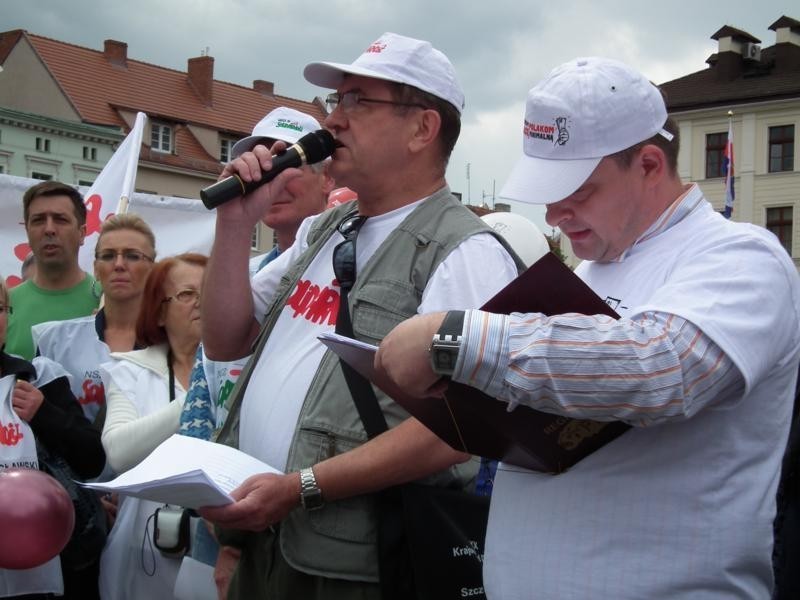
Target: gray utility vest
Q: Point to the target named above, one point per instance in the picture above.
(339, 540)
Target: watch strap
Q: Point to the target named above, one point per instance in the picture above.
(310, 494)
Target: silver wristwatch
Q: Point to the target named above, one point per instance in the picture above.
(310, 494)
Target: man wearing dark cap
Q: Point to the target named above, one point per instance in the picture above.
(702, 363)
(311, 533)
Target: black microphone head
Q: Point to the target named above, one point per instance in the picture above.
(317, 145)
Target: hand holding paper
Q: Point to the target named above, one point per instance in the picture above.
(261, 501)
(403, 356)
(187, 472)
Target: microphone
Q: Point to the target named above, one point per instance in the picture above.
(309, 149)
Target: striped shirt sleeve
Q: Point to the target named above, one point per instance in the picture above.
(656, 367)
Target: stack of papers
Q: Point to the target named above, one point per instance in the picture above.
(187, 472)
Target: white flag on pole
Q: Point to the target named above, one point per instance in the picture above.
(112, 189)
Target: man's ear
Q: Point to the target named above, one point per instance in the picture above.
(82, 230)
(653, 163)
(427, 126)
(328, 183)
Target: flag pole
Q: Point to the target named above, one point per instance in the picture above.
(132, 165)
(729, 170)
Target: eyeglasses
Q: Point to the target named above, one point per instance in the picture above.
(6, 310)
(344, 254)
(129, 256)
(187, 296)
(349, 100)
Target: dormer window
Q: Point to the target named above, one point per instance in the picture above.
(161, 137)
(225, 147)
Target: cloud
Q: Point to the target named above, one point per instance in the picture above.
(500, 49)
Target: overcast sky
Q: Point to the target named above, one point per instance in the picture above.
(499, 48)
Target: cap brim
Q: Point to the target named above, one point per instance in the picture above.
(330, 75)
(545, 181)
(250, 142)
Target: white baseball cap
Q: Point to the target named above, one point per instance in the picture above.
(285, 124)
(397, 58)
(582, 111)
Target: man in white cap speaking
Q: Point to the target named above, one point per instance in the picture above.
(702, 363)
(306, 195)
(311, 533)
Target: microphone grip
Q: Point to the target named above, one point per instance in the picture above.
(222, 191)
(233, 187)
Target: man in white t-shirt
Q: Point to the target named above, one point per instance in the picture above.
(702, 363)
(396, 117)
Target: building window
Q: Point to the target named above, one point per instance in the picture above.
(781, 148)
(225, 147)
(779, 222)
(42, 145)
(161, 137)
(42, 176)
(89, 153)
(2, 169)
(85, 182)
(715, 153)
(255, 237)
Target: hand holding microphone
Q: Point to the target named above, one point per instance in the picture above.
(309, 149)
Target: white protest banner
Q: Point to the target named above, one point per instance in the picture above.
(180, 225)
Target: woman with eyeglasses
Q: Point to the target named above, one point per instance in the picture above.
(124, 256)
(145, 391)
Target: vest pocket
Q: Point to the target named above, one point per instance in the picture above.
(350, 519)
(380, 306)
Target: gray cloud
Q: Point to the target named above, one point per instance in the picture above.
(500, 48)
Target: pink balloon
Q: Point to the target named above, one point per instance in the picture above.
(36, 518)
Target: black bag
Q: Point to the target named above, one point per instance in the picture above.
(430, 540)
(445, 532)
(89, 536)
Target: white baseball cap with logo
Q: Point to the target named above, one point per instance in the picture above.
(582, 111)
(397, 58)
(285, 124)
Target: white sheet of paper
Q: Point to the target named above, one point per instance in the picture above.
(188, 472)
(360, 355)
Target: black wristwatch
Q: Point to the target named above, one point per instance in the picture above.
(310, 494)
(446, 343)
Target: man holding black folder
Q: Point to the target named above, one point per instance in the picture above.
(702, 363)
(410, 248)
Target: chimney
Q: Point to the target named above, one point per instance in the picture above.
(787, 43)
(201, 78)
(265, 88)
(731, 42)
(116, 52)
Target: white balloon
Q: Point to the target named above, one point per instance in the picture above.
(521, 233)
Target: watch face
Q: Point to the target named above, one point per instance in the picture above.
(445, 359)
(313, 500)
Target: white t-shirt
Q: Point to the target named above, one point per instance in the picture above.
(677, 510)
(469, 276)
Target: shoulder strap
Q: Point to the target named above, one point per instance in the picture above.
(360, 388)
